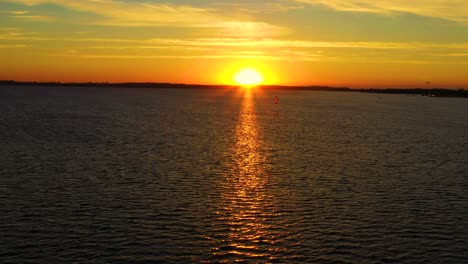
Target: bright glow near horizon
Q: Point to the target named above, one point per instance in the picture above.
(248, 77)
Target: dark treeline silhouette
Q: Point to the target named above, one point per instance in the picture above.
(120, 85)
(306, 88)
(434, 92)
(168, 85)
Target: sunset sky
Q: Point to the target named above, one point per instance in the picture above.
(356, 43)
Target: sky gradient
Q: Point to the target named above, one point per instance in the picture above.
(355, 43)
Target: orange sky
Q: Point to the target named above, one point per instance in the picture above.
(355, 43)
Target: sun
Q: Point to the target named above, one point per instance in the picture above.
(248, 77)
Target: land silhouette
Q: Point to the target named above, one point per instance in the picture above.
(432, 92)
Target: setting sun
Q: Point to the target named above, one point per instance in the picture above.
(248, 77)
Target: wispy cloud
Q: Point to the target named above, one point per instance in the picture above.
(27, 15)
(34, 18)
(19, 12)
(277, 43)
(16, 46)
(232, 42)
(15, 37)
(267, 49)
(456, 10)
(230, 47)
(126, 13)
(150, 57)
(260, 7)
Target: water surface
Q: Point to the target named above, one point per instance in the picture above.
(104, 175)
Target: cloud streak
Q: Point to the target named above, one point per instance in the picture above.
(130, 14)
(230, 42)
(455, 10)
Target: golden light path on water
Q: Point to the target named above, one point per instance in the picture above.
(249, 205)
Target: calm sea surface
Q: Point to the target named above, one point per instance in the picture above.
(104, 175)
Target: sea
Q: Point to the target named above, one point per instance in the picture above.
(127, 175)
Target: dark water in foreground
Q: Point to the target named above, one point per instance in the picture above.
(94, 175)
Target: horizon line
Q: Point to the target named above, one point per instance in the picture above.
(199, 85)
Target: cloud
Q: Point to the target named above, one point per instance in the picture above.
(126, 13)
(34, 18)
(229, 47)
(267, 49)
(457, 54)
(19, 12)
(277, 43)
(456, 10)
(150, 57)
(26, 15)
(16, 46)
(247, 29)
(13, 34)
(260, 7)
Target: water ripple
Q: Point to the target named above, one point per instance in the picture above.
(94, 175)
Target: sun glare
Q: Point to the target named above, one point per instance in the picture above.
(248, 77)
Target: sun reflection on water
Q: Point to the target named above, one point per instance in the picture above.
(248, 206)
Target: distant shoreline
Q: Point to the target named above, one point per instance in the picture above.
(431, 92)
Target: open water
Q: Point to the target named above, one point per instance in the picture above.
(108, 175)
